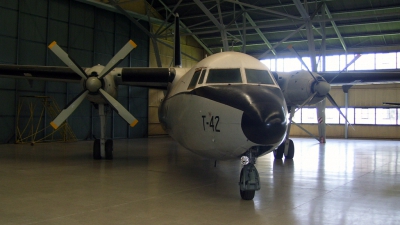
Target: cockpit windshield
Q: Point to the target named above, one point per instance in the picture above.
(258, 76)
(224, 76)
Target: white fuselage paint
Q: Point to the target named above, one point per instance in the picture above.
(187, 118)
(206, 127)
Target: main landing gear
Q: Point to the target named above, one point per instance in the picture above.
(108, 149)
(286, 148)
(249, 181)
(102, 148)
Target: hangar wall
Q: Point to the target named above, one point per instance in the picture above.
(359, 96)
(91, 36)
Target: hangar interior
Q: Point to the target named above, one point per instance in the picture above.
(325, 186)
(93, 31)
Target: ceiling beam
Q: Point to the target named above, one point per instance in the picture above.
(275, 31)
(334, 37)
(264, 9)
(280, 42)
(264, 6)
(328, 13)
(188, 30)
(220, 26)
(297, 23)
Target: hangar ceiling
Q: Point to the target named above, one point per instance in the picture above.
(265, 28)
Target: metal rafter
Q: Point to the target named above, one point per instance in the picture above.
(169, 15)
(264, 9)
(267, 7)
(279, 43)
(216, 23)
(328, 13)
(294, 23)
(259, 32)
(188, 30)
(152, 36)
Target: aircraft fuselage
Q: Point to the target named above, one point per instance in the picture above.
(220, 112)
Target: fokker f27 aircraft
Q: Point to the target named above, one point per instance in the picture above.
(228, 106)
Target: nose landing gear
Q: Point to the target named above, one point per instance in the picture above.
(249, 179)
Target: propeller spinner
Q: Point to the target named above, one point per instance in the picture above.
(93, 84)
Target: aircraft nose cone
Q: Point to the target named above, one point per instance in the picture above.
(265, 123)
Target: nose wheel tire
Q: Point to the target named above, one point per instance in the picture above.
(278, 153)
(290, 151)
(247, 194)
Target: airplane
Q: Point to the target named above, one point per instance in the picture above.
(228, 106)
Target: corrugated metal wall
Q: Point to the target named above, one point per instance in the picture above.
(91, 36)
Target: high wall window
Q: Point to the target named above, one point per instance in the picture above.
(355, 115)
(372, 61)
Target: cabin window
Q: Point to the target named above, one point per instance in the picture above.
(258, 76)
(224, 76)
(195, 77)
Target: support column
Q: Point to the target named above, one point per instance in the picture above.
(346, 89)
(102, 130)
(346, 105)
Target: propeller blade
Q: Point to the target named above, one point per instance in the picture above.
(290, 47)
(118, 58)
(391, 103)
(68, 110)
(345, 68)
(66, 59)
(125, 114)
(337, 107)
(307, 101)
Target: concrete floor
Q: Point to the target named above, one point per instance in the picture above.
(155, 181)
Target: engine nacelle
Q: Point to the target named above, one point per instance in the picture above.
(298, 86)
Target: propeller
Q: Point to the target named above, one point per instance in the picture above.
(345, 68)
(93, 85)
(290, 47)
(322, 87)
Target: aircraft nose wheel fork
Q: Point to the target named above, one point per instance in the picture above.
(249, 181)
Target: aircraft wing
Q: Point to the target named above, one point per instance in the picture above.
(362, 77)
(133, 76)
(45, 73)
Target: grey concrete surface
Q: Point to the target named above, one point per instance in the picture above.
(155, 181)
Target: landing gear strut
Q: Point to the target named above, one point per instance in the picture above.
(286, 148)
(249, 179)
(102, 148)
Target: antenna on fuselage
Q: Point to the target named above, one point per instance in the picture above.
(177, 44)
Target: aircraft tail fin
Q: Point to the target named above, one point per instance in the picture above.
(177, 44)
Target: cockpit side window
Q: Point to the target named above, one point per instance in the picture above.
(224, 76)
(195, 77)
(258, 76)
(203, 73)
